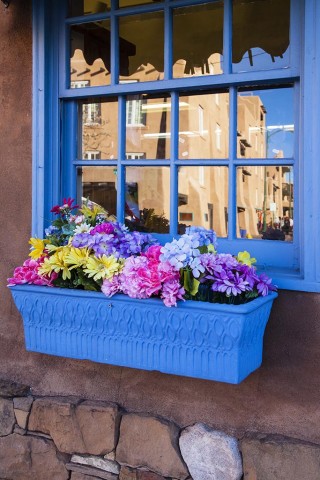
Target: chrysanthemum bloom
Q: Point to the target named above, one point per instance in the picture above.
(102, 267)
(77, 257)
(37, 246)
(57, 263)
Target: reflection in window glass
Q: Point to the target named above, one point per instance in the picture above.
(265, 202)
(98, 124)
(203, 198)
(147, 207)
(133, 3)
(98, 184)
(260, 33)
(148, 126)
(204, 126)
(90, 54)
(88, 7)
(198, 40)
(265, 123)
(141, 45)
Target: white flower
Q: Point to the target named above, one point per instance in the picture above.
(83, 228)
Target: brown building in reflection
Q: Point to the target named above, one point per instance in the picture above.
(264, 194)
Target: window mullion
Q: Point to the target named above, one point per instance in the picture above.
(168, 25)
(232, 190)
(114, 48)
(69, 154)
(121, 182)
(173, 166)
(227, 36)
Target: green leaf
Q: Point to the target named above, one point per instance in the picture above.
(191, 285)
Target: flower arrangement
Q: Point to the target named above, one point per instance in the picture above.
(84, 248)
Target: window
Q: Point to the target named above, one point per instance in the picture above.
(135, 86)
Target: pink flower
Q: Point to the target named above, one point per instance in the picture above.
(171, 292)
(28, 273)
(111, 286)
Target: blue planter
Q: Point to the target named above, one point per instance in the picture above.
(196, 339)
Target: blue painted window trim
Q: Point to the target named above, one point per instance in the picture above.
(53, 101)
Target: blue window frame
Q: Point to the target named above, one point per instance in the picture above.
(59, 99)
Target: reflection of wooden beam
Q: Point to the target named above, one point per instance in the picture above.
(83, 72)
(101, 70)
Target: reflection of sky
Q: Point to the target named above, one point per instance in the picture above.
(261, 60)
(279, 106)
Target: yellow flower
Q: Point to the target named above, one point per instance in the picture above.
(57, 263)
(37, 246)
(211, 248)
(244, 257)
(53, 248)
(92, 211)
(77, 257)
(102, 267)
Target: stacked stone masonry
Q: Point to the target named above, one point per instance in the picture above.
(66, 438)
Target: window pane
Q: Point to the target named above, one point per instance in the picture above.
(141, 47)
(90, 54)
(198, 40)
(204, 126)
(148, 199)
(98, 122)
(98, 184)
(87, 7)
(203, 198)
(133, 3)
(265, 123)
(148, 127)
(265, 202)
(261, 31)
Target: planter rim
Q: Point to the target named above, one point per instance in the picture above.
(181, 305)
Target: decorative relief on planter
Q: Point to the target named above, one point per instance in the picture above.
(210, 341)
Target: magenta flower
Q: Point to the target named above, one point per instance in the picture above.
(66, 206)
(28, 273)
(105, 227)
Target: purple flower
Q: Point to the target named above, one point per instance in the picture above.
(264, 285)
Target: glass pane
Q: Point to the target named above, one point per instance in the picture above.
(265, 123)
(141, 45)
(204, 126)
(261, 34)
(148, 199)
(198, 40)
(98, 184)
(90, 54)
(265, 202)
(87, 7)
(98, 124)
(148, 127)
(133, 3)
(203, 198)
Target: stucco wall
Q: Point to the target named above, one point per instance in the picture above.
(281, 397)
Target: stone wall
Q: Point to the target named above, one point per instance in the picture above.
(61, 438)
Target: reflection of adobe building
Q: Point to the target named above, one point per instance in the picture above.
(264, 194)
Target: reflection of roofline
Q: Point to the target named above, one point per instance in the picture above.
(245, 142)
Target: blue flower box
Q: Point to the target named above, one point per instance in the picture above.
(196, 339)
